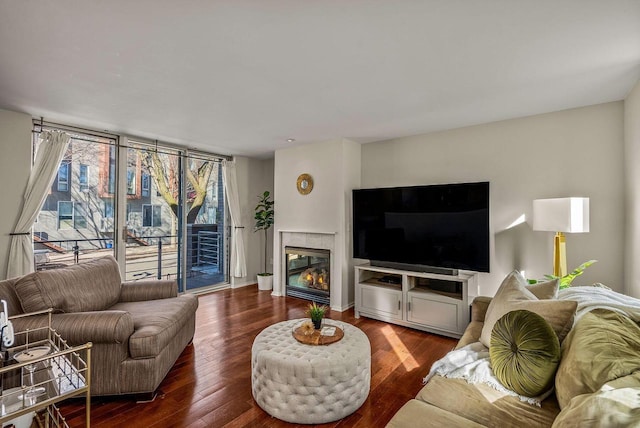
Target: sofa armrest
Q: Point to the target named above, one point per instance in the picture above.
(150, 289)
(97, 327)
(479, 308)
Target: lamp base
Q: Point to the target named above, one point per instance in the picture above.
(559, 255)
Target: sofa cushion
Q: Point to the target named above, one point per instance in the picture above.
(616, 403)
(603, 346)
(524, 353)
(419, 414)
(156, 322)
(513, 295)
(485, 405)
(88, 286)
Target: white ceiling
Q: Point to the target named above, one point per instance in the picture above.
(240, 77)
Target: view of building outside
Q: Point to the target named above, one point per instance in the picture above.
(78, 217)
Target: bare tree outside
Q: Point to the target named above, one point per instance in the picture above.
(165, 173)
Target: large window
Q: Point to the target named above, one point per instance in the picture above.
(77, 214)
(172, 221)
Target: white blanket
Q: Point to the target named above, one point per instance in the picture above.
(590, 298)
(472, 364)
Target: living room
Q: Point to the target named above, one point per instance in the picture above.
(537, 113)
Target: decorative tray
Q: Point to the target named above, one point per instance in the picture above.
(327, 335)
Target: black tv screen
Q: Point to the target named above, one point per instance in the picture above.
(442, 226)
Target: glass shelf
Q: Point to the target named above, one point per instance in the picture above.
(62, 372)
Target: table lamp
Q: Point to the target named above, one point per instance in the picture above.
(561, 215)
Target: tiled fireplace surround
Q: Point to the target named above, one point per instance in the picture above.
(316, 240)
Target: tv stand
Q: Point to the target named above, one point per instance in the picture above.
(426, 301)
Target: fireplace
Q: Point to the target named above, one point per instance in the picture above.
(308, 273)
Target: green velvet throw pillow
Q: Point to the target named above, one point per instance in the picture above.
(524, 353)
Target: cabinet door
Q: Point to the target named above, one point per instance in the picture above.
(381, 301)
(432, 313)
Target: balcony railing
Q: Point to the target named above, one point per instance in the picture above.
(147, 256)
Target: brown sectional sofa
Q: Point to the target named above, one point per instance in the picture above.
(138, 329)
(597, 383)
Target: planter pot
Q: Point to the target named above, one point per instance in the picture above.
(317, 324)
(265, 282)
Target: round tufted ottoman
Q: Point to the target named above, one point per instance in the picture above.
(310, 384)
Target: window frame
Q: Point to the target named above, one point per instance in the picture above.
(83, 177)
(156, 215)
(146, 184)
(67, 217)
(63, 179)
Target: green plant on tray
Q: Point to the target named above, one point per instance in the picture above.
(316, 313)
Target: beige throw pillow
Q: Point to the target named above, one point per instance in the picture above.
(513, 294)
(544, 290)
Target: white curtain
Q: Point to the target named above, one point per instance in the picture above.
(238, 260)
(50, 153)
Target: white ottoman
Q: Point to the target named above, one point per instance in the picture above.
(310, 384)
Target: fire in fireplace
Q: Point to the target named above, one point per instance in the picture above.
(308, 273)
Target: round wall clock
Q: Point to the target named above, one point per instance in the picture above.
(305, 184)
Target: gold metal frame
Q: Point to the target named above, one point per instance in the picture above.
(75, 360)
(304, 184)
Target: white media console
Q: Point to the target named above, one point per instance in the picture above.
(426, 301)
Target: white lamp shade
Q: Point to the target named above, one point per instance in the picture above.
(561, 215)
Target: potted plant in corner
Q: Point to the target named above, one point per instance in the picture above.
(264, 221)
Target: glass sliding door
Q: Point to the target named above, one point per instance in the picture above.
(76, 221)
(167, 204)
(206, 254)
(153, 213)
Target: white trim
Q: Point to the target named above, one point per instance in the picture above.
(317, 232)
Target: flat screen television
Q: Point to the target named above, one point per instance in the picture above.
(423, 227)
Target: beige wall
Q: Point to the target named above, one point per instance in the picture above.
(632, 191)
(254, 177)
(15, 164)
(576, 152)
(335, 168)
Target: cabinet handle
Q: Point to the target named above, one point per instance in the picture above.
(408, 306)
(399, 304)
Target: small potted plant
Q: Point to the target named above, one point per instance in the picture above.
(264, 221)
(316, 313)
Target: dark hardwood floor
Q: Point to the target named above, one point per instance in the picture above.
(210, 384)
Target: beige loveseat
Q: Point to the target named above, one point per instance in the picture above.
(138, 329)
(597, 383)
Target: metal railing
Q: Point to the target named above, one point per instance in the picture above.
(147, 255)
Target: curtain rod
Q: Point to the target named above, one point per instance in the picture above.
(116, 137)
